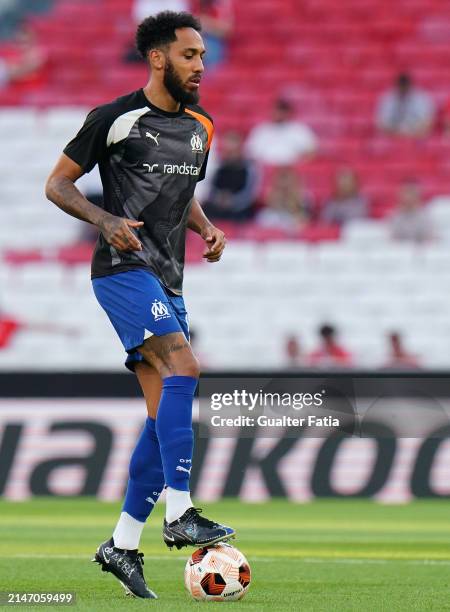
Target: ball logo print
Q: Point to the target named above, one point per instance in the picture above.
(196, 144)
(160, 310)
(217, 573)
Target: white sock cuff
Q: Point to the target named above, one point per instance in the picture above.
(128, 532)
(177, 502)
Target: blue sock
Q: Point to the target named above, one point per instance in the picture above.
(174, 429)
(146, 479)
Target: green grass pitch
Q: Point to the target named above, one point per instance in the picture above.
(324, 556)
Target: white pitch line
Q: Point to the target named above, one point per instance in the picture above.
(356, 561)
(76, 557)
(343, 561)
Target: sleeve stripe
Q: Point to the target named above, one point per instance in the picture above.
(207, 124)
(122, 126)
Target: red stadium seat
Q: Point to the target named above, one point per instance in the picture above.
(332, 59)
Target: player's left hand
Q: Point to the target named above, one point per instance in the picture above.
(215, 243)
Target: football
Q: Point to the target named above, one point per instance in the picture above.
(217, 573)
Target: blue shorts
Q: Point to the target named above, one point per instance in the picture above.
(139, 306)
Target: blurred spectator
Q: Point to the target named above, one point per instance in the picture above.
(13, 13)
(9, 16)
(405, 110)
(28, 58)
(289, 206)
(410, 221)
(283, 141)
(329, 354)
(347, 202)
(234, 183)
(399, 357)
(216, 17)
(293, 353)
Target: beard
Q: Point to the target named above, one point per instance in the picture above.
(174, 86)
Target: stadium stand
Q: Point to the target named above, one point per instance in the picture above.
(332, 60)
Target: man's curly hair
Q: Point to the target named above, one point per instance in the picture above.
(159, 30)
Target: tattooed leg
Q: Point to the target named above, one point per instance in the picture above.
(170, 355)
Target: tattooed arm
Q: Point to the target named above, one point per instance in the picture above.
(60, 189)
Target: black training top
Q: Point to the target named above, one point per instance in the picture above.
(150, 161)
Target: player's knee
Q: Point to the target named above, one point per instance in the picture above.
(177, 360)
(189, 366)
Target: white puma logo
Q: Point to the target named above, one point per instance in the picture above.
(180, 468)
(155, 138)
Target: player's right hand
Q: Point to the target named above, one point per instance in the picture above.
(118, 234)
